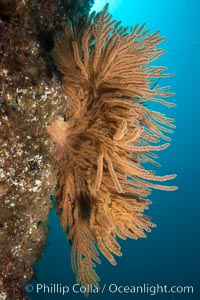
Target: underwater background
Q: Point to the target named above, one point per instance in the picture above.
(170, 253)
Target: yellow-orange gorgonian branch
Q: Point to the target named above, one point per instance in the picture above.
(108, 134)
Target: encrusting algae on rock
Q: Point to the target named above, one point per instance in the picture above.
(30, 99)
(106, 135)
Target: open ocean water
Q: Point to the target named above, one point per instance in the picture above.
(171, 253)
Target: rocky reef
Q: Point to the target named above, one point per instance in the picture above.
(30, 98)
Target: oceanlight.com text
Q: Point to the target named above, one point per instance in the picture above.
(112, 288)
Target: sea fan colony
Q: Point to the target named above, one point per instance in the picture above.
(106, 135)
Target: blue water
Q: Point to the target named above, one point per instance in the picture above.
(170, 254)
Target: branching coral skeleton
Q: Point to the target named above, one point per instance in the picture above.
(108, 134)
